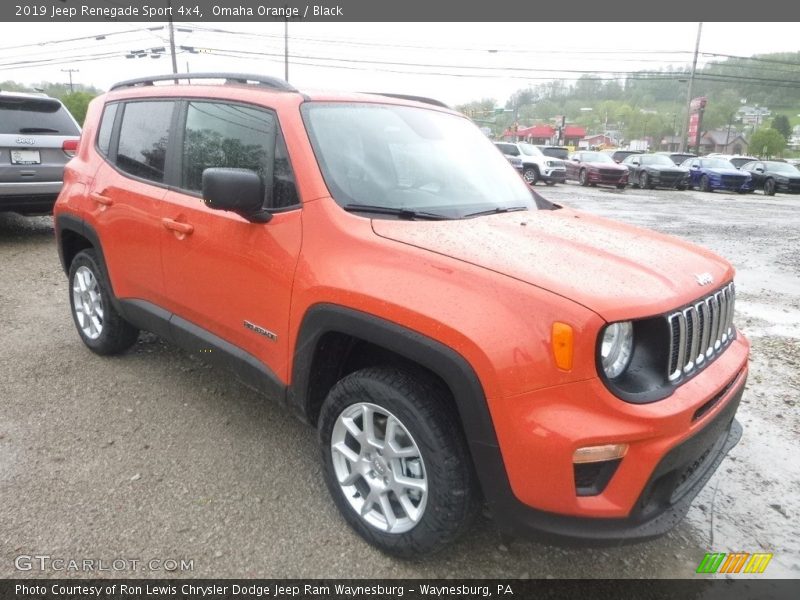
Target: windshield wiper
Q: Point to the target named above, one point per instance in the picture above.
(403, 213)
(38, 130)
(495, 211)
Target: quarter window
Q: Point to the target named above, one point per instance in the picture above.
(143, 139)
(106, 126)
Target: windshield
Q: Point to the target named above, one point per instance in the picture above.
(596, 157)
(41, 116)
(529, 150)
(413, 159)
(717, 163)
(656, 159)
(780, 167)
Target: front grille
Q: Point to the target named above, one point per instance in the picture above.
(733, 181)
(794, 186)
(670, 178)
(612, 173)
(699, 332)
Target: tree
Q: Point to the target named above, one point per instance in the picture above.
(767, 142)
(781, 124)
(77, 103)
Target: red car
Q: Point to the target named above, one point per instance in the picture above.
(591, 168)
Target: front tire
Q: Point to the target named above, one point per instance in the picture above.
(530, 175)
(644, 182)
(99, 325)
(705, 184)
(583, 178)
(395, 461)
(769, 187)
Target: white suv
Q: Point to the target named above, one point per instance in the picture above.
(535, 165)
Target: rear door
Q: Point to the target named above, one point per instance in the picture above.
(231, 277)
(127, 193)
(33, 132)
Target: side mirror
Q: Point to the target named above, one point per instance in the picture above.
(759, 170)
(576, 159)
(635, 163)
(695, 166)
(237, 190)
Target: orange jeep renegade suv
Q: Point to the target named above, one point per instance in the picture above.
(373, 263)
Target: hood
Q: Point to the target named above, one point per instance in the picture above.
(718, 171)
(605, 165)
(616, 270)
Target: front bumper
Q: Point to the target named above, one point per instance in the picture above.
(607, 178)
(557, 175)
(675, 445)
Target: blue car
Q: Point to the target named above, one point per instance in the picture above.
(709, 174)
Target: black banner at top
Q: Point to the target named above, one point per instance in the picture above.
(404, 11)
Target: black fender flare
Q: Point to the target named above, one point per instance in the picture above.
(449, 365)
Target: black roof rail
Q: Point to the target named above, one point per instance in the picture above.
(230, 78)
(422, 99)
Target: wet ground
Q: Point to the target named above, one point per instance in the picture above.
(154, 455)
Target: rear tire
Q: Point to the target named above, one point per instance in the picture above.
(99, 325)
(395, 461)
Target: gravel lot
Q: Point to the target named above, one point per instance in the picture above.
(154, 455)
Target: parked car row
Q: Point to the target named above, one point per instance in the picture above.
(673, 170)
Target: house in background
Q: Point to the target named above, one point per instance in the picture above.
(547, 134)
(597, 141)
(723, 142)
(671, 143)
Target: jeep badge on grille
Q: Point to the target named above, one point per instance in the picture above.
(704, 278)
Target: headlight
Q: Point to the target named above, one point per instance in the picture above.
(549, 163)
(616, 348)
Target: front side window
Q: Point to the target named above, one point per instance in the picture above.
(223, 135)
(406, 158)
(143, 139)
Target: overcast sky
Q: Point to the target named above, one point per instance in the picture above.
(455, 62)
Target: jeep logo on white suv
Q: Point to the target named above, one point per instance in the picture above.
(24, 140)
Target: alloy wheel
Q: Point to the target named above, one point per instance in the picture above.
(379, 467)
(87, 303)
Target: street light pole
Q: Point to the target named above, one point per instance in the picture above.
(172, 39)
(685, 134)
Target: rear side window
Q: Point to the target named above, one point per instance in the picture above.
(35, 116)
(143, 138)
(106, 126)
(240, 137)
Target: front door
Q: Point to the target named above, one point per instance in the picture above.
(224, 274)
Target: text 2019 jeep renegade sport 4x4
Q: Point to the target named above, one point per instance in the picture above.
(376, 265)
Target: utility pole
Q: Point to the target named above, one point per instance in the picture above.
(70, 71)
(172, 39)
(685, 133)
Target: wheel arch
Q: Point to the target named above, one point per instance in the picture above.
(333, 330)
(334, 339)
(73, 234)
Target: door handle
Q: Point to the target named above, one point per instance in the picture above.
(100, 199)
(184, 228)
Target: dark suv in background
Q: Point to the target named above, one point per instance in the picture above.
(38, 136)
